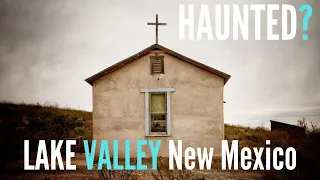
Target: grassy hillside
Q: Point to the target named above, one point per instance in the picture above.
(35, 122)
(256, 137)
(46, 122)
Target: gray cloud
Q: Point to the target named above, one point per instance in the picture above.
(48, 48)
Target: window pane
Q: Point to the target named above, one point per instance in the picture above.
(158, 103)
(158, 123)
(158, 113)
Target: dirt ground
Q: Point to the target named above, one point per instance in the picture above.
(84, 174)
(16, 172)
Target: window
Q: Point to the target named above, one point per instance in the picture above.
(157, 111)
(157, 64)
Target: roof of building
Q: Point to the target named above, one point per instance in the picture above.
(120, 64)
(280, 125)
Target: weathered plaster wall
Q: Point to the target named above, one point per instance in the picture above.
(196, 105)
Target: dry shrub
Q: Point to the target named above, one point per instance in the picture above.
(117, 175)
(306, 145)
(163, 172)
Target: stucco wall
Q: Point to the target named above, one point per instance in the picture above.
(196, 105)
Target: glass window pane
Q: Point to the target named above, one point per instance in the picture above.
(158, 103)
(158, 123)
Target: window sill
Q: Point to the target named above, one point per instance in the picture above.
(158, 135)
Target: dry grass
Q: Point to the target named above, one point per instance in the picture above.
(82, 173)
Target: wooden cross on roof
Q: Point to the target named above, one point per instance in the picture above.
(157, 24)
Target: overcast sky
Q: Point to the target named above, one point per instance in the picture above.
(48, 48)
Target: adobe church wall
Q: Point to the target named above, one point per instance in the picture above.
(196, 105)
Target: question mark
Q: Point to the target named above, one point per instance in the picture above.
(306, 18)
